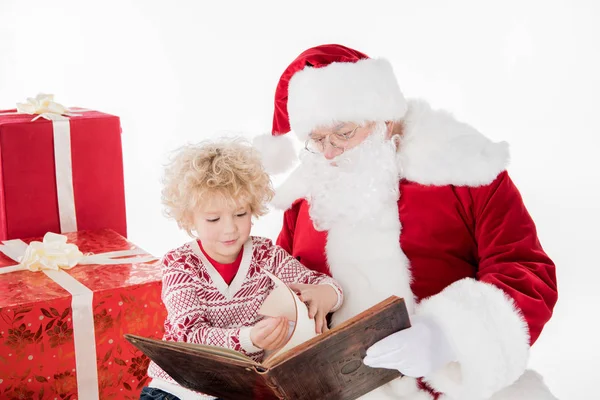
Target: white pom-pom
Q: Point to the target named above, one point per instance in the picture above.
(277, 152)
(295, 187)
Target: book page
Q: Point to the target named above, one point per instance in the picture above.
(144, 343)
(217, 351)
(283, 301)
(279, 303)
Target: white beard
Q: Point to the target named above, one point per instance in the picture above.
(355, 200)
(353, 189)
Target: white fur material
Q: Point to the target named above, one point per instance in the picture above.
(436, 149)
(403, 388)
(277, 152)
(530, 386)
(366, 90)
(295, 187)
(489, 336)
(368, 277)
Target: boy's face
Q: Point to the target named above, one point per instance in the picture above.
(223, 230)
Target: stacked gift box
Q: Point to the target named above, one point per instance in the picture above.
(61, 330)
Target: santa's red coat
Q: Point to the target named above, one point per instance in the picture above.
(466, 233)
(450, 233)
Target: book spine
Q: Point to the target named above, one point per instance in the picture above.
(272, 383)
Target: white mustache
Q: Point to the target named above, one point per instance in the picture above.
(362, 180)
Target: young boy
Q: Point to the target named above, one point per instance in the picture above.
(214, 285)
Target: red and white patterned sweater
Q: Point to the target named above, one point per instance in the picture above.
(202, 308)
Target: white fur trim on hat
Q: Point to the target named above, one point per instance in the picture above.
(277, 152)
(366, 90)
(435, 149)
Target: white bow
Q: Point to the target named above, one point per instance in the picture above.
(45, 106)
(54, 253)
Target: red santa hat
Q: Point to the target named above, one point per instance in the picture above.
(325, 85)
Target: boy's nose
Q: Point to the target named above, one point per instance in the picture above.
(230, 226)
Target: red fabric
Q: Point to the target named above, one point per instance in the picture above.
(299, 238)
(28, 201)
(424, 386)
(319, 56)
(450, 233)
(37, 350)
(227, 271)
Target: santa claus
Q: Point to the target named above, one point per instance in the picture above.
(392, 197)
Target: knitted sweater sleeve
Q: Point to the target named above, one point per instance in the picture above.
(186, 320)
(290, 270)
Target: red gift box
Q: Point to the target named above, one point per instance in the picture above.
(60, 176)
(48, 333)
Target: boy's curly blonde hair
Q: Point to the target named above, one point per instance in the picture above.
(228, 168)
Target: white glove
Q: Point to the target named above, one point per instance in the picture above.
(416, 351)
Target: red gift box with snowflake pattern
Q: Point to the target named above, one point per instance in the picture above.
(68, 344)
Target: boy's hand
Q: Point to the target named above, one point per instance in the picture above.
(320, 300)
(270, 333)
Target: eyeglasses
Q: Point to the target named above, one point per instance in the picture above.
(339, 142)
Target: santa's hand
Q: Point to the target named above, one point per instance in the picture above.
(320, 300)
(416, 351)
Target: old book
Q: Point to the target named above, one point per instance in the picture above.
(327, 366)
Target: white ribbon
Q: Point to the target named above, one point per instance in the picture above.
(63, 168)
(52, 256)
(45, 107)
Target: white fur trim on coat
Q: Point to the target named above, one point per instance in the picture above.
(368, 277)
(366, 90)
(403, 388)
(436, 149)
(489, 336)
(530, 386)
(277, 152)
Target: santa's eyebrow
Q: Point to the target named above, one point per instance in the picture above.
(335, 129)
(338, 127)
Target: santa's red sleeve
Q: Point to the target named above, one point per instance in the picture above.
(285, 239)
(492, 320)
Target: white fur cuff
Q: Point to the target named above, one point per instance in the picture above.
(488, 334)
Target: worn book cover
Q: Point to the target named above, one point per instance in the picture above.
(327, 366)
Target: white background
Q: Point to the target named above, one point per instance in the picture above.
(175, 72)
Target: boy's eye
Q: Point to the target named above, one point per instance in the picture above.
(242, 214)
(212, 220)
